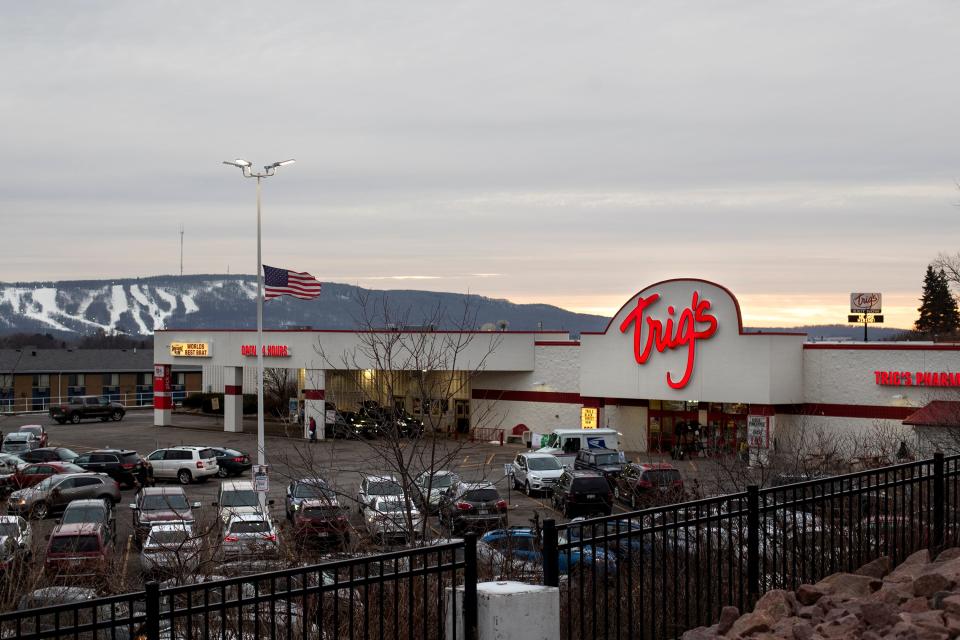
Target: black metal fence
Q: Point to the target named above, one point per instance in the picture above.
(657, 572)
(646, 574)
(397, 596)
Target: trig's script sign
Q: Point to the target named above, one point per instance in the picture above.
(861, 302)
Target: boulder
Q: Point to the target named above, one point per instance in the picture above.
(949, 569)
(910, 568)
(929, 583)
(808, 594)
(948, 554)
(841, 628)
(878, 568)
(802, 630)
(878, 615)
(951, 604)
(751, 623)
(777, 604)
(915, 605)
(700, 633)
(849, 585)
(728, 615)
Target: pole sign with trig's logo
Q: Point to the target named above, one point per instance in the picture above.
(866, 302)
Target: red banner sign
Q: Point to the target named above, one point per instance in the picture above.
(672, 334)
(269, 350)
(917, 378)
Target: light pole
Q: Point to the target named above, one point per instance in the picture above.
(268, 171)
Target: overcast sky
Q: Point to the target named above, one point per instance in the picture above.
(568, 153)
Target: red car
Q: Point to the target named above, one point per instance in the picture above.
(321, 521)
(31, 474)
(80, 549)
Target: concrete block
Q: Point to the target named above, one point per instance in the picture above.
(508, 611)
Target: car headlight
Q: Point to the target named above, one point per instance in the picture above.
(295, 506)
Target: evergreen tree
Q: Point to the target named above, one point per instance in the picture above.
(938, 308)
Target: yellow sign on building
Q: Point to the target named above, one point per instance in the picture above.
(588, 417)
(190, 349)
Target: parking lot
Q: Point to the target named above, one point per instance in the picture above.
(340, 462)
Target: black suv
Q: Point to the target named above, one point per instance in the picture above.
(606, 462)
(472, 505)
(582, 493)
(123, 465)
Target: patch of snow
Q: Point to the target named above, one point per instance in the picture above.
(119, 305)
(189, 306)
(44, 307)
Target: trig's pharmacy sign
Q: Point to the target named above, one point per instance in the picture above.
(190, 349)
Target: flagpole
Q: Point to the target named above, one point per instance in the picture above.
(268, 170)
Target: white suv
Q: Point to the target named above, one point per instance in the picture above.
(237, 497)
(535, 472)
(184, 464)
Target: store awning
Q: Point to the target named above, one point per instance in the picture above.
(938, 413)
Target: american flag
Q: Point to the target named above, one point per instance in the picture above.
(281, 282)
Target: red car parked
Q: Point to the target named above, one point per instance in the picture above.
(31, 474)
(321, 521)
(81, 549)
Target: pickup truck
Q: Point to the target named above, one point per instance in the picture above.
(86, 408)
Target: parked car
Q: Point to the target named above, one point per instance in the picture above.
(641, 485)
(373, 487)
(339, 425)
(392, 517)
(517, 553)
(49, 454)
(231, 462)
(19, 442)
(623, 538)
(237, 497)
(91, 511)
(171, 548)
(87, 408)
(11, 555)
(299, 491)
(123, 465)
(472, 505)
(582, 493)
(9, 464)
(321, 521)
(155, 505)
(56, 492)
(431, 487)
(184, 464)
(78, 550)
(248, 535)
(374, 420)
(535, 472)
(17, 529)
(606, 462)
(30, 474)
(37, 430)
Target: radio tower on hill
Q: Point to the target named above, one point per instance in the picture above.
(181, 250)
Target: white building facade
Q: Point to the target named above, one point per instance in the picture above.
(674, 364)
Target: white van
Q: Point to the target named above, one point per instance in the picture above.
(564, 443)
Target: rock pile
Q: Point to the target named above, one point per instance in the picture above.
(919, 600)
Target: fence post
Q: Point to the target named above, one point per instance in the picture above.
(753, 544)
(470, 586)
(939, 482)
(152, 626)
(551, 557)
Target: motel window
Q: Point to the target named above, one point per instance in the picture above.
(145, 379)
(76, 380)
(6, 380)
(41, 381)
(111, 379)
(180, 378)
(417, 406)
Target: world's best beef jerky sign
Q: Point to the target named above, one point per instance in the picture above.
(666, 327)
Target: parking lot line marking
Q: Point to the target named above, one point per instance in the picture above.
(489, 459)
(126, 553)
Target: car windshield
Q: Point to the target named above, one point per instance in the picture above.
(384, 488)
(66, 454)
(390, 505)
(591, 485)
(607, 458)
(9, 529)
(250, 526)
(312, 490)
(441, 481)
(18, 437)
(544, 464)
(480, 495)
(172, 537)
(34, 430)
(93, 513)
(46, 483)
(662, 476)
(69, 467)
(240, 498)
(164, 502)
(74, 544)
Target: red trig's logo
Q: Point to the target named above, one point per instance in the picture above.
(672, 334)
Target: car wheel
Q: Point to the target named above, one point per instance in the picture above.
(526, 489)
(75, 418)
(222, 472)
(184, 476)
(117, 415)
(40, 511)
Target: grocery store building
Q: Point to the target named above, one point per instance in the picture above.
(674, 361)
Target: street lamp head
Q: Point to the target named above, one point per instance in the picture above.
(239, 162)
(282, 163)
